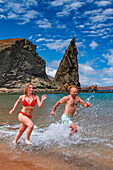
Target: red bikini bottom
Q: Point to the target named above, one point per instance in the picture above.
(25, 115)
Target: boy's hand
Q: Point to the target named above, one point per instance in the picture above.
(52, 113)
(88, 104)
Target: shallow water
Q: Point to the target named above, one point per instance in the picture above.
(93, 141)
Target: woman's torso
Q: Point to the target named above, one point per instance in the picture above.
(28, 104)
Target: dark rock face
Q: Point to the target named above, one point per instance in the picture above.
(20, 64)
(67, 72)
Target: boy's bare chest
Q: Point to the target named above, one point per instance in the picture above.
(72, 102)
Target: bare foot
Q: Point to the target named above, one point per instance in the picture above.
(14, 142)
(71, 133)
(28, 142)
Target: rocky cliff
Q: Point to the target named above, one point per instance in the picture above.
(67, 72)
(20, 64)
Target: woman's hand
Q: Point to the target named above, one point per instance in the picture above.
(11, 112)
(44, 97)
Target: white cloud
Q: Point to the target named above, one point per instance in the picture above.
(15, 7)
(12, 16)
(58, 45)
(100, 25)
(20, 7)
(86, 69)
(98, 18)
(108, 11)
(67, 8)
(30, 37)
(61, 26)
(51, 71)
(80, 44)
(1, 10)
(93, 12)
(93, 45)
(108, 80)
(83, 80)
(87, 81)
(39, 35)
(103, 3)
(108, 71)
(31, 3)
(109, 56)
(103, 61)
(2, 16)
(58, 2)
(54, 64)
(80, 26)
(31, 14)
(82, 53)
(44, 39)
(21, 11)
(40, 39)
(74, 5)
(44, 23)
(63, 13)
(24, 22)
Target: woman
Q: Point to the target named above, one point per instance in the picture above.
(25, 114)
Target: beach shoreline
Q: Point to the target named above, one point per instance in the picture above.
(5, 91)
(44, 160)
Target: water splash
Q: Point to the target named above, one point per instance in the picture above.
(88, 99)
(56, 134)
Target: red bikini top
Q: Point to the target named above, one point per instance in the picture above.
(25, 103)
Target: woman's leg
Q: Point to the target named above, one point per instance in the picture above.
(28, 123)
(20, 132)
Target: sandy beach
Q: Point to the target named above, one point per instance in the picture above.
(44, 161)
(9, 158)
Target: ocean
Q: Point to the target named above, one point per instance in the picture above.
(90, 148)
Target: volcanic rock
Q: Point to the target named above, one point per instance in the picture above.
(67, 72)
(20, 64)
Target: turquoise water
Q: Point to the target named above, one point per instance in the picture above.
(94, 139)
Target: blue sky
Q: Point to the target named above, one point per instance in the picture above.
(51, 24)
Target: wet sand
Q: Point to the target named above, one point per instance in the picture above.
(29, 161)
(44, 160)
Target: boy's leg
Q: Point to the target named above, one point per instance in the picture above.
(74, 129)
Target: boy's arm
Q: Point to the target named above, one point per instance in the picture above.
(63, 100)
(54, 109)
(83, 103)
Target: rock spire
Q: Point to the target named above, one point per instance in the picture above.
(67, 72)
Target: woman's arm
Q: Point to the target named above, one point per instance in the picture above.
(40, 103)
(16, 104)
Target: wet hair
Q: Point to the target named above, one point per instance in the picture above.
(26, 88)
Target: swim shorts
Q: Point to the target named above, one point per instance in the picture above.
(66, 119)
